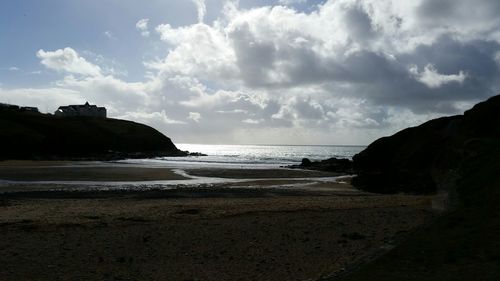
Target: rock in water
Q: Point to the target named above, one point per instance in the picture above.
(306, 162)
(336, 165)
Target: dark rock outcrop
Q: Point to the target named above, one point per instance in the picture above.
(463, 244)
(306, 162)
(335, 165)
(31, 135)
(425, 158)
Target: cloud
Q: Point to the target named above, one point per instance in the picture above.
(47, 99)
(430, 77)
(142, 26)
(109, 34)
(201, 8)
(199, 51)
(195, 116)
(155, 118)
(252, 121)
(234, 111)
(356, 49)
(344, 71)
(67, 60)
(14, 68)
(108, 90)
(290, 2)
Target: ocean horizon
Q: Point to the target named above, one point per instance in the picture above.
(251, 156)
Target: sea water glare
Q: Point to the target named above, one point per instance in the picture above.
(255, 156)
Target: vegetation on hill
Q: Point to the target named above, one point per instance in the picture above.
(30, 135)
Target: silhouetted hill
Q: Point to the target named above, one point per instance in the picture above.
(30, 135)
(425, 158)
(455, 155)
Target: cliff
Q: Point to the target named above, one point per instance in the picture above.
(458, 155)
(31, 135)
(425, 158)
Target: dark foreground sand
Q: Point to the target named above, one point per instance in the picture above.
(223, 232)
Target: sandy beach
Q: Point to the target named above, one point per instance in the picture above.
(278, 225)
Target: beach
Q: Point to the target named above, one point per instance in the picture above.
(277, 224)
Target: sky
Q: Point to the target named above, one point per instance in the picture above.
(254, 71)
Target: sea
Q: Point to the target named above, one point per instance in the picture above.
(250, 156)
(217, 156)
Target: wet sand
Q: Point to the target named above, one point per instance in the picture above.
(221, 232)
(103, 171)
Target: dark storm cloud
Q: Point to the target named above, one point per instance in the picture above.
(382, 79)
(475, 58)
(359, 24)
(456, 11)
(254, 58)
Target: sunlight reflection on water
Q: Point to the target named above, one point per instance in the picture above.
(260, 156)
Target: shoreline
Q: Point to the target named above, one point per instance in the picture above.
(283, 228)
(30, 176)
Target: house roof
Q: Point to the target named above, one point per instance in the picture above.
(77, 106)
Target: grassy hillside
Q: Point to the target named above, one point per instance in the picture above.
(27, 135)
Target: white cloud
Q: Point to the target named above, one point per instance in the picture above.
(195, 116)
(252, 121)
(289, 2)
(109, 34)
(109, 91)
(142, 26)
(201, 8)
(68, 60)
(335, 73)
(234, 111)
(47, 99)
(430, 76)
(279, 46)
(14, 68)
(154, 118)
(200, 51)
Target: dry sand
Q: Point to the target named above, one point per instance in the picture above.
(223, 232)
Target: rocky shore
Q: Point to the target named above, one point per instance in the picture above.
(335, 165)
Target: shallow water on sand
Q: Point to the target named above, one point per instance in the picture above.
(191, 181)
(267, 158)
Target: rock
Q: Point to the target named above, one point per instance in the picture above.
(423, 159)
(195, 153)
(306, 162)
(336, 165)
